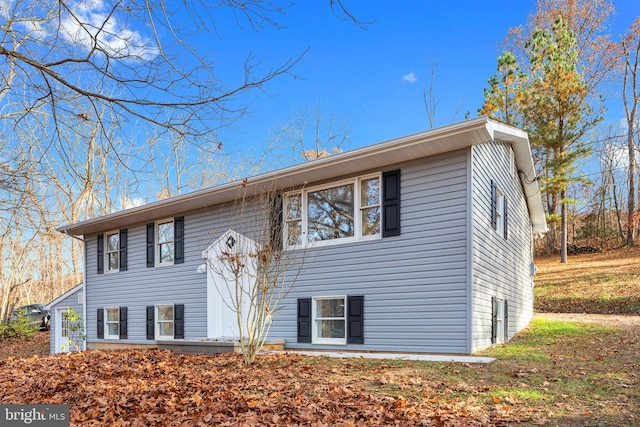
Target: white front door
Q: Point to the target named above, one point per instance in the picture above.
(225, 295)
(62, 330)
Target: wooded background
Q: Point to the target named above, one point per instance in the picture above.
(71, 97)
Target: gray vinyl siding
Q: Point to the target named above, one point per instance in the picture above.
(69, 301)
(414, 285)
(501, 268)
(141, 286)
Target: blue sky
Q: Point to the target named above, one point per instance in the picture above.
(375, 78)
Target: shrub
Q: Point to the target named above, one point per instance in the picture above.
(20, 329)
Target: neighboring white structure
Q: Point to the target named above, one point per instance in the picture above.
(62, 339)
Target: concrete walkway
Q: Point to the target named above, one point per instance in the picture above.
(397, 356)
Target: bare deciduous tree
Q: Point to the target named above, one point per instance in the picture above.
(137, 61)
(252, 272)
(630, 53)
(310, 135)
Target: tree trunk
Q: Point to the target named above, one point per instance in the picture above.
(564, 228)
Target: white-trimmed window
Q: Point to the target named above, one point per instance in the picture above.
(512, 163)
(499, 321)
(165, 248)
(112, 323)
(112, 251)
(164, 322)
(345, 211)
(500, 212)
(329, 320)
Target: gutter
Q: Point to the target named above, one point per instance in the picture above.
(66, 232)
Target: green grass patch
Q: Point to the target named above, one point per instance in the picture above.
(533, 343)
(523, 394)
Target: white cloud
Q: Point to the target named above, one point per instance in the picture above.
(411, 78)
(128, 203)
(94, 22)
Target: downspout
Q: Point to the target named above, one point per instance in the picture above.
(84, 287)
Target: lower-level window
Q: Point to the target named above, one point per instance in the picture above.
(164, 321)
(112, 325)
(329, 320)
(499, 320)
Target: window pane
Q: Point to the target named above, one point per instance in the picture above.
(166, 252)
(371, 221)
(113, 242)
(165, 328)
(165, 312)
(113, 329)
(112, 314)
(330, 307)
(331, 213)
(64, 319)
(165, 232)
(294, 206)
(331, 329)
(114, 261)
(370, 192)
(294, 233)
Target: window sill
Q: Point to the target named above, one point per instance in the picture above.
(329, 341)
(332, 242)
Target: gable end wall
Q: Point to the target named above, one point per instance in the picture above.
(500, 267)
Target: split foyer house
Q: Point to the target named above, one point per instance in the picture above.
(423, 243)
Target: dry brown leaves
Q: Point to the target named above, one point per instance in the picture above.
(38, 345)
(602, 283)
(152, 387)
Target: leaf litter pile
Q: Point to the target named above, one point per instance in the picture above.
(153, 387)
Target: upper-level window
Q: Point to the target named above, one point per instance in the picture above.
(500, 212)
(165, 246)
(341, 212)
(165, 242)
(112, 250)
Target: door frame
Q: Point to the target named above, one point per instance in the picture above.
(61, 345)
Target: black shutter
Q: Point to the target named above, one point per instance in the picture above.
(178, 321)
(100, 324)
(494, 205)
(494, 320)
(276, 222)
(178, 240)
(123, 323)
(151, 314)
(355, 317)
(151, 233)
(100, 240)
(506, 321)
(505, 213)
(123, 250)
(304, 320)
(391, 203)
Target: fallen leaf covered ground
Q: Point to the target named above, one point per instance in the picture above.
(152, 387)
(598, 283)
(570, 371)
